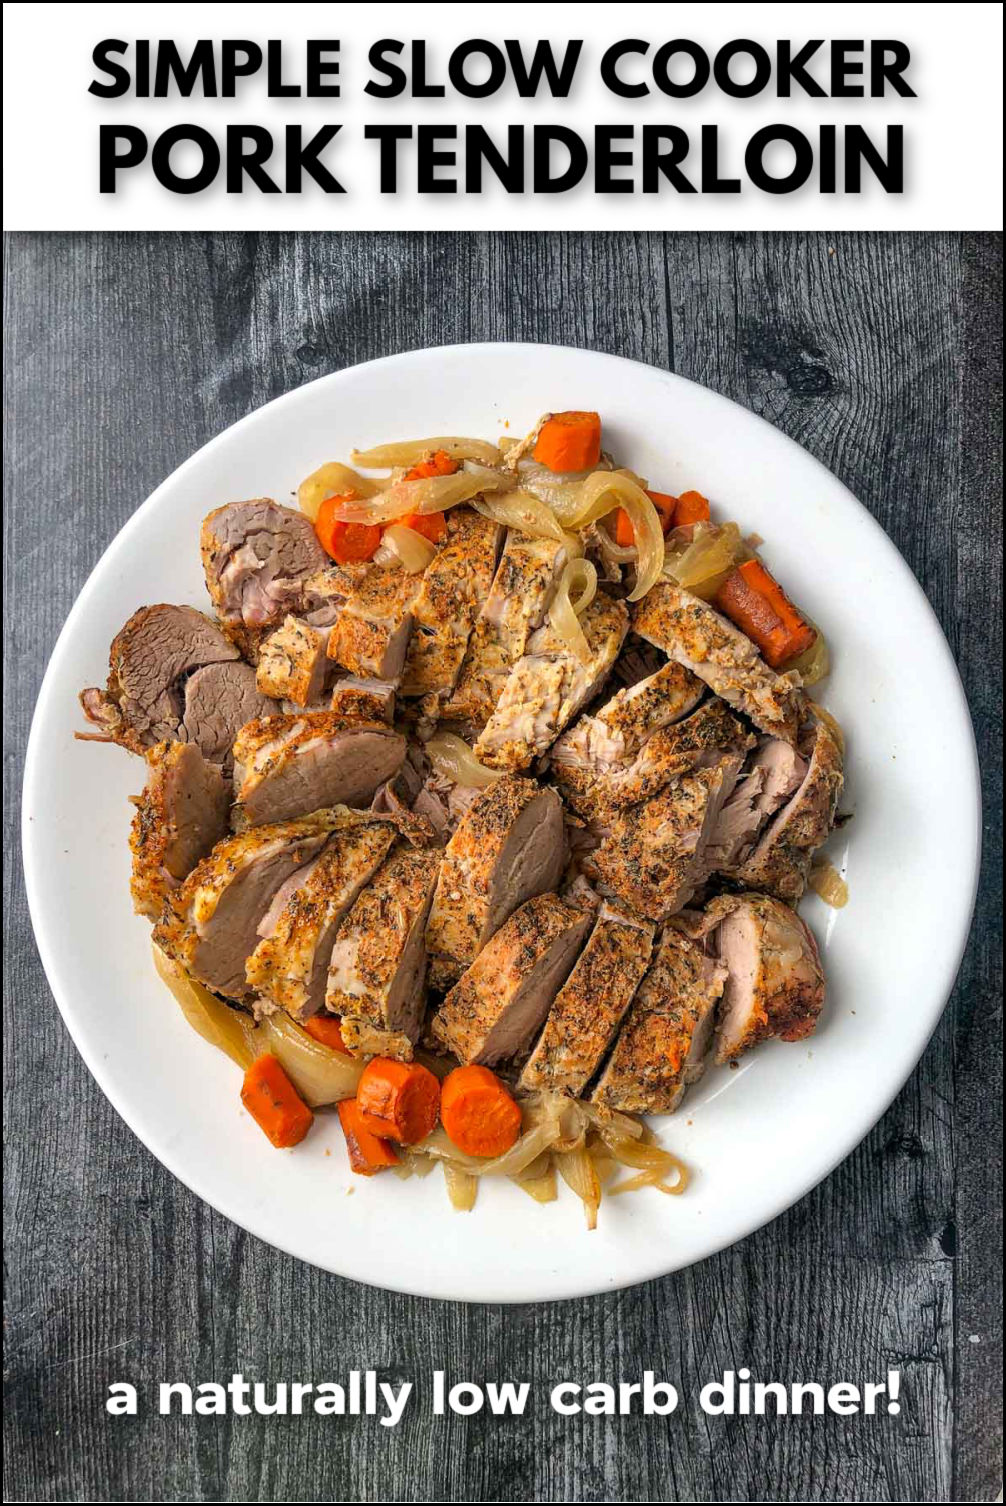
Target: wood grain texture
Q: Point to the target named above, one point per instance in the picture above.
(880, 355)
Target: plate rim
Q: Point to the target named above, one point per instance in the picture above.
(189, 1177)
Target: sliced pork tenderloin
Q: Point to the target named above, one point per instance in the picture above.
(496, 1008)
(287, 766)
(377, 970)
(772, 774)
(454, 588)
(591, 1004)
(289, 966)
(607, 739)
(774, 981)
(779, 862)
(667, 1031)
(217, 911)
(182, 813)
(506, 848)
(219, 700)
(257, 559)
(692, 632)
(359, 699)
(292, 663)
(549, 685)
(371, 635)
(521, 593)
(694, 742)
(150, 659)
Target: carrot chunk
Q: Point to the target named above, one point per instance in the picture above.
(665, 504)
(346, 543)
(368, 1153)
(398, 1100)
(569, 441)
(327, 1028)
(274, 1103)
(437, 464)
(478, 1113)
(756, 602)
(692, 507)
(432, 525)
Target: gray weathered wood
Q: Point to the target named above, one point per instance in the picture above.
(880, 355)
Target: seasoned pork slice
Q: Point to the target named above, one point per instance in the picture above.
(667, 1031)
(609, 737)
(780, 860)
(695, 742)
(771, 775)
(292, 663)
(149, 661)
(549, 685)
(589, 1007)
(454, 588)
(371, 635)
(377, 972)
(181, 814)
(289, 966)
(495, 1009)
(287, 766)
(258, 558)
(506, 848)
(219, 907)
(774, 980)
(697, 636)
(219, 700)
(522, 591)
(654, 856)
(363, 700)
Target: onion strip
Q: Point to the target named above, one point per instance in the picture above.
(453, 758)
(428, 495)
(525, 513)
(332, 480)
(411, 549)
(564, 613)
(411, 451)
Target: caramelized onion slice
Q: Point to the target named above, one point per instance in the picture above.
(525, 513)
(410, 549)
(453, 758)
(228, 1029)
(332, 480)
(411, 451)
(319, 1074)
(579, 576)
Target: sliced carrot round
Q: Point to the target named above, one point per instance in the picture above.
(479, 1114)
(398, 1100)
(346, 543)
(432, 526)
(692, 507)
(569, 441)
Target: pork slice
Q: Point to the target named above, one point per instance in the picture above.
(591, 1004)
(779, 861)
(371, 635)
(258, 558)
(377, 971)
(289, 966)
(495, 1009)
(774, 981)
(181, 814)
(521, 593)
(287, 766)
(597, 791)
(654, 855)
(149, 661)
(214, 929)
(506, 848)
(292, 663)
(667, 1031)
(361, 699)
(549, 685)
(770, 777)
(689, 630)
(453, 591)
(219, 700)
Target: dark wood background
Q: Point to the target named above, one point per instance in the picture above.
(880, 354)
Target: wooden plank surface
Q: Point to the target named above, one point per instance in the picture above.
(880, 354)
